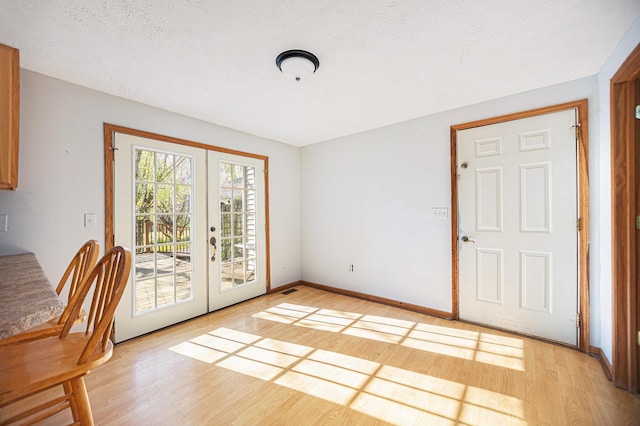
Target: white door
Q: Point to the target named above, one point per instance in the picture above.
(518, 245)
(237, 234)
(195, 221)
(160, 211)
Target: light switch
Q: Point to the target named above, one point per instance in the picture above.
(4, 222)
(89, 220)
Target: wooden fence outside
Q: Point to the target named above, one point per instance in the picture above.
(164, 241)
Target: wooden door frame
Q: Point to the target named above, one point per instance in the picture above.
(624, 172)
(111, 129)
(583, 204)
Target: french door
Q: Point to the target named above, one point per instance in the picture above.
(195, 222)
(237, 269)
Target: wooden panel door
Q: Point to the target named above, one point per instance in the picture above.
(518, 248)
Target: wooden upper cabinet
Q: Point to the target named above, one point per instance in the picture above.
(9, 116)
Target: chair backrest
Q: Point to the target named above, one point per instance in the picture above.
(83, 261)
(79, 267)
(108, 278)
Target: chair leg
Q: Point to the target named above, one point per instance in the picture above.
(68, 390)
(80, 400)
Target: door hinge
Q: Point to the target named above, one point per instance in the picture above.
(578, 320)
(577, 128)
(579, 224)
(638, 338)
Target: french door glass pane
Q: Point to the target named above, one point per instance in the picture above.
(237, 224)
(163, 217)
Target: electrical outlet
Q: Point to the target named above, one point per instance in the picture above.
(439, 212)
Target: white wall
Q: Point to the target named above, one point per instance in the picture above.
(61, 172)
(601, 212)
(367, 200)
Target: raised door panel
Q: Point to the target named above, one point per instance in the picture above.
(489, 199)
(535, 281)
(489, 276)
(535, 197)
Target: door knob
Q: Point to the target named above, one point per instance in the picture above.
(466, 239)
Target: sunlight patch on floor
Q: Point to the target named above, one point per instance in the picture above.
(267, 356)
(331, 373)
(233, 335)
(439, 348)
(388, 393)
(319, 325)
(218, 343)
(373, 335)
(315, 386)
(285, 319)
(284, 347)
(396, 413)
(257, 369)
(201, 353)
(496, 402)
(381, 327)
(354, 363)
(499, 351)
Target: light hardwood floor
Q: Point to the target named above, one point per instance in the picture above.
(312, 357)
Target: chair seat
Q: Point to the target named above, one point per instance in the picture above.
(39, 364)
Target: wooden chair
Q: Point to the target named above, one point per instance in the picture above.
(81, 264)
(29, 368)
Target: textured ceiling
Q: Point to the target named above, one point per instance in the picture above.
(381, 62)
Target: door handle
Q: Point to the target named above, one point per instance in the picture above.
(213, 242)
(466, 239)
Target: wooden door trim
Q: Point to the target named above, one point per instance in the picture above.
(624, 280)
(583, 204)
(111, 129)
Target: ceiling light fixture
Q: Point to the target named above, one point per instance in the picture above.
(297, 64)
